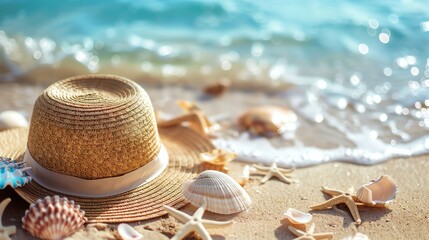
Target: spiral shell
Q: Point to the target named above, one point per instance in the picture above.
(379, 191)
(53, 218)
(222, 193)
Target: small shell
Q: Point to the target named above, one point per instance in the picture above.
(218, 156)
(298, 217)
(12, 119)
(357, 236)
(245, 175)
(13, 173)
(379, 191)
(128, 233)
(222, 193)
(53, 218)
(268, 120)
(217, 88)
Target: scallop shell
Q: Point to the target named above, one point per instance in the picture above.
(222, 193)
(297, 217)
(53, 218)
(268, 120)
(128, 233)
(379, 191)
(12, 119)
(13, 173)
(218, 156)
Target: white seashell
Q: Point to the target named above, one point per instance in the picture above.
(357, 236)
(245, 175)
(128, 233)
(53, 218)
(297, 217)
(222, 193)
(379, 191)
(12, 119)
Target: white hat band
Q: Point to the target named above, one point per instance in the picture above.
(97, 187)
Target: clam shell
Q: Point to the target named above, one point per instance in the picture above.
(128, 233)
(297, 217)
(222, 193)
(53, 218)
(12, 119)
(268, 120)
(379, 191)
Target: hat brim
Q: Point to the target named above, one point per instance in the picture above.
(144, 202)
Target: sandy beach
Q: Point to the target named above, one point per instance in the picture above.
(406, 218)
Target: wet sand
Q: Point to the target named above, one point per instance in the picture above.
(406, 218)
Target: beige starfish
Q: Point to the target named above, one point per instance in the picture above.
(309, 234)
(274, 171)
(5, 232)
(196, 118)
(195, 222)
(339, 197)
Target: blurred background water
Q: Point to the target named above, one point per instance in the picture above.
(356, 64)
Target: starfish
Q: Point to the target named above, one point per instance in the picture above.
(195, 222)
(309, 234)
(274, 171)
(5, 232)
(197, 121)
(339, 197)
(196, 118)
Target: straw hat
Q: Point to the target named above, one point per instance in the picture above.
(94, 139)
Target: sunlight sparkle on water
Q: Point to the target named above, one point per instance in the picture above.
(387, 71)
(363, 48)
(384, 38)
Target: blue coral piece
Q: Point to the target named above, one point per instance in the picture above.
(12, 173)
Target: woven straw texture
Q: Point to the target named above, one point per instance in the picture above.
(93, 126)
(97, 126)
(144, 202)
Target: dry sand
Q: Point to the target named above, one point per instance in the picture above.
(406, 218)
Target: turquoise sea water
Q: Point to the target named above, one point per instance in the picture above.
(360, 66)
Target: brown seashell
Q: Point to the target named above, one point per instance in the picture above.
(222, 193)
(216, 89)
(379, 191)
(53, 218)
(268, 120)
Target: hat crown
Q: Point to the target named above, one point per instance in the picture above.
(93, 126)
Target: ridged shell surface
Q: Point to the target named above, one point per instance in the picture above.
(53, 218)
(222, 193)
(379, 191)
